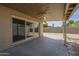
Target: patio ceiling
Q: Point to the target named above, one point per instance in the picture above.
(69, 9)
(52, 11)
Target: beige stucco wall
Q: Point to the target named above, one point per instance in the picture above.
(6, 25)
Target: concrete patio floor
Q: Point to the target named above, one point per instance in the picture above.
(49, 45)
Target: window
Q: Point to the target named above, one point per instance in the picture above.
(36, 27)
(14, 29)
(18, 29)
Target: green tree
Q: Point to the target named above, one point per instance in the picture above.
(45, 25)
(70, 22)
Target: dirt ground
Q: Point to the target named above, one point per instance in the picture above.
(72, 42)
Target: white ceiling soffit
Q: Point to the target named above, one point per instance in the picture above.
(55, 12)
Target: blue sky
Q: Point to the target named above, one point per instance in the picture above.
(74, 17)
(56, 23)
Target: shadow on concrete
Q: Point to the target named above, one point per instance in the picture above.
(43, 46)
(74, 48)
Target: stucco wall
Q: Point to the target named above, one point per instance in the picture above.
(71, 30)
(53, 29)
(6, 25)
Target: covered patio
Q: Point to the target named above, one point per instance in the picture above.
(51, 44)
(41, 44)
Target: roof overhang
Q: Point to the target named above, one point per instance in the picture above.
(70, 7)
(55, 12)
(51, 11)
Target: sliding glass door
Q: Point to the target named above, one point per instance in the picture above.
(23, 29)
(18, 29)
(29, 29)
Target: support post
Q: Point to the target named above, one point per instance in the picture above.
(64, 32)
(41, 29)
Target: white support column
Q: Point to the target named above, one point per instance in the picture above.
(65, 32)
(41, 29)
